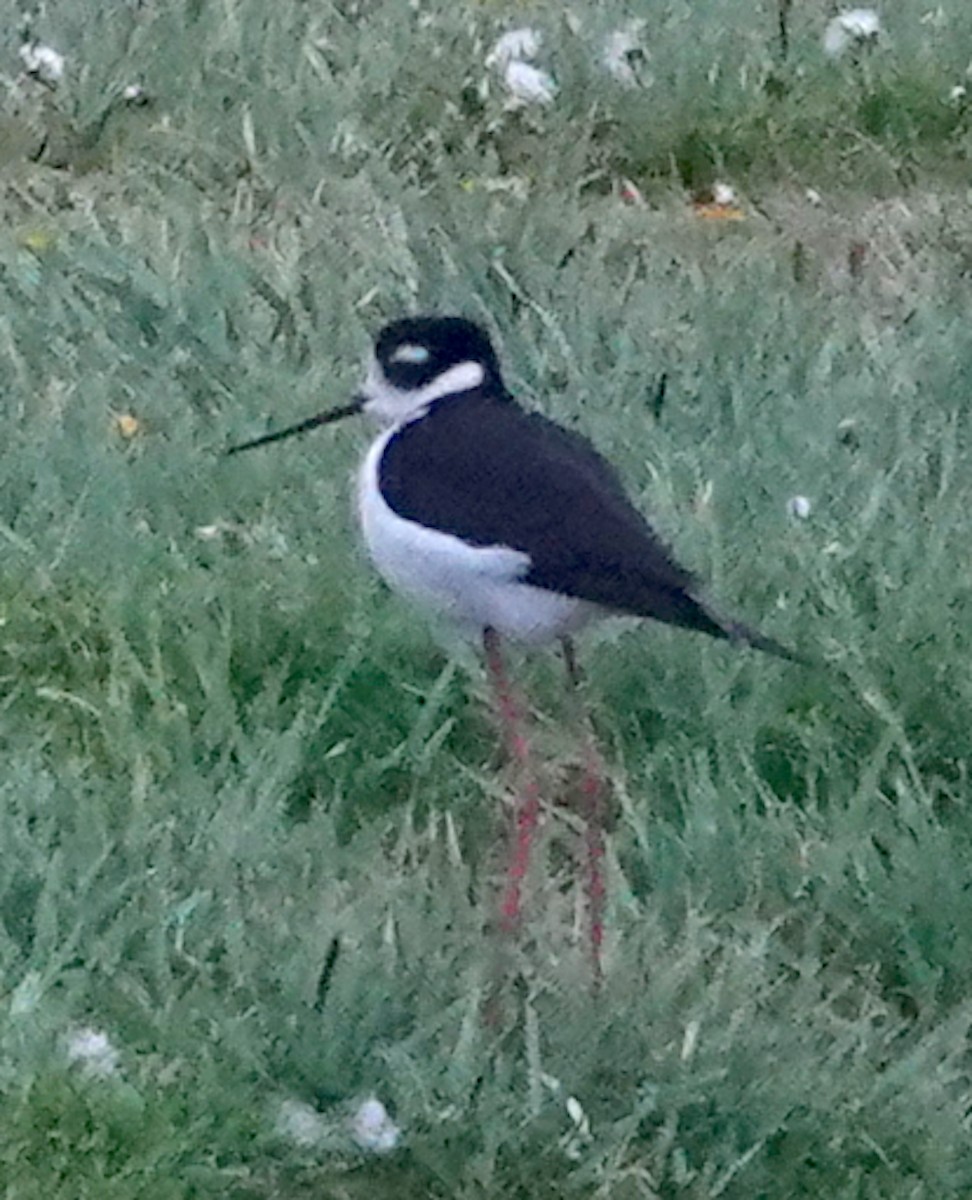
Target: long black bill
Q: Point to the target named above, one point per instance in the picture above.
(324, 418)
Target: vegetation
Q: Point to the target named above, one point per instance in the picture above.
(250, 813)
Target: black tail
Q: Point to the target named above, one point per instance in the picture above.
(683, 606)
(735, 631)
(707, 618)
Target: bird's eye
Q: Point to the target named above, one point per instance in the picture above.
(412, 353)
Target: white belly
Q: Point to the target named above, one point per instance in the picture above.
(471, 586)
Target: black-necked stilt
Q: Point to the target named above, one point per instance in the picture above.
(511, 527)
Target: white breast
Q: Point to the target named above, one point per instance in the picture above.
(471, 586)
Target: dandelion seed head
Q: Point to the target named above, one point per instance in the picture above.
(93, 1052)
(861, 22)
(527, 84)
(42, 61)
(855, 28)
(621, 46)
(299, 1123)
(373, 1129)
(516, 44)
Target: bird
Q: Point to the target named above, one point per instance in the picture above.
(514, 529)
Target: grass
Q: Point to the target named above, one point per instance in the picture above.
(249, 810)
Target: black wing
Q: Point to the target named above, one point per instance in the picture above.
(488, 472)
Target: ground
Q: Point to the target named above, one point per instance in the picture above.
(252, 813)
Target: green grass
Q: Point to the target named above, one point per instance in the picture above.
(228, 751)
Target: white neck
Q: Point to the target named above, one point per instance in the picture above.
(390, 405)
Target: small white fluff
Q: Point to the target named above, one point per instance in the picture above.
(528, 85)
(620, 47)
(723, 193)
(300, 1124)
(373, 1129)
(575, 1110)
(857, 27)
(798, 507)
(525, 83)
(516, 44)
(93, 1052)
(42, 61)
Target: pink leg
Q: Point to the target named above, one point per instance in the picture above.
(528, 797)
(592, 789)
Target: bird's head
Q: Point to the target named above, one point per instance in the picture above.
(415, 362)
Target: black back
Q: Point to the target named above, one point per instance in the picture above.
(480, 467)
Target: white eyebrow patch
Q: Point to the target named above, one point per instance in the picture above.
(412, 353)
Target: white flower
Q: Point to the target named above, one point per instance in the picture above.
(517, 44)
(621, 48)
(299, 1123)
(528, 85)
(93, 1052)
(373, 1129)
(42, 61)
(857, 27)
(798, 507)
(723, 193)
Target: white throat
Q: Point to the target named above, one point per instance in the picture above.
(389, 405)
